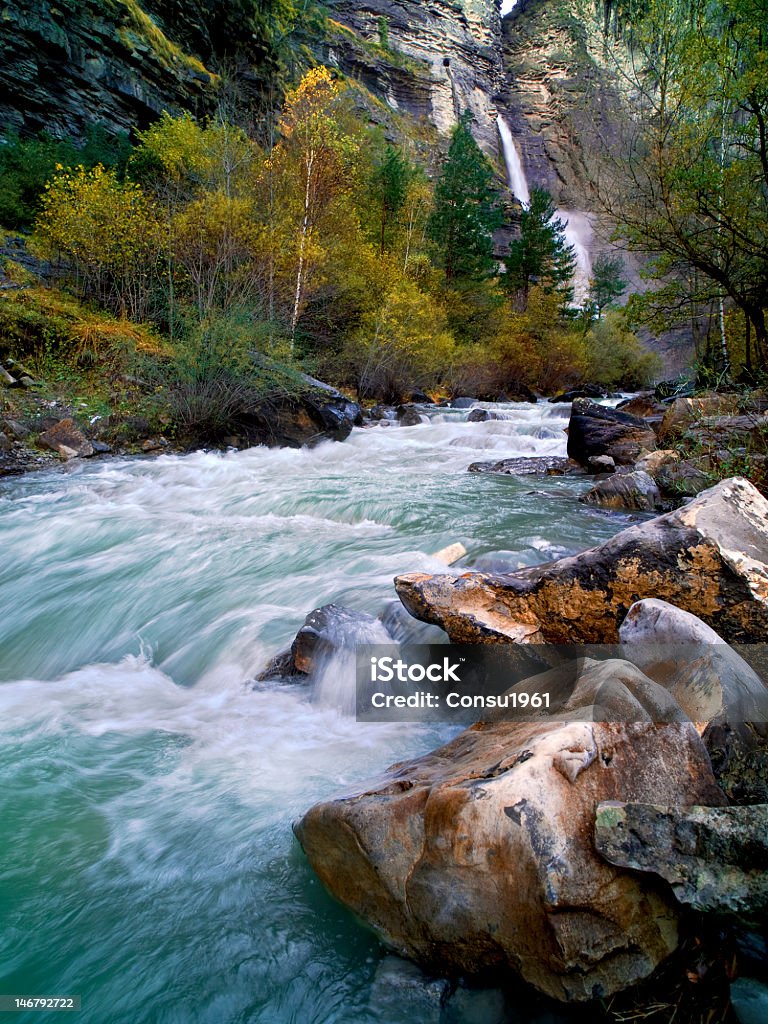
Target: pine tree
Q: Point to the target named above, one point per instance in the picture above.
(607, 284)
(466, 211)
(541, 256)
(388, 190)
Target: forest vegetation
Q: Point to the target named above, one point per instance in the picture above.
(295, 236)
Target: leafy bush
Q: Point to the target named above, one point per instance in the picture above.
(616, 357)
(403, 344)
(109, 234)
(26, 165)
(217, 373)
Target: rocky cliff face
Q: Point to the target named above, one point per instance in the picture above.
(121, 62)
(452, 51)
(79, 62)
(559, 92)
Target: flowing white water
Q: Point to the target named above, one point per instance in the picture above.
(578, 233)
(578, 226)
(146, 789)
(518, 183)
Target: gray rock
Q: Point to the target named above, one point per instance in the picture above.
(541, 465)
(597, 430)
(682, 479)
(329, 629)
(481, 416)
(739, 755)
(401, 989)
(463, 403)
(635, 491)
(383, 412)
(709, 680)
(715, 858)
(409, 416)
(601, 464)
(6, 444)
(15, 430)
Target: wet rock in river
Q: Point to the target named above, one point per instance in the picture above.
(709, 558)
(597, 430)
(479, 857)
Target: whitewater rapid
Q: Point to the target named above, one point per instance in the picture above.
(147, 789)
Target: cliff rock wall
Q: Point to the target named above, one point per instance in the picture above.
(77, 62)
(453, 54)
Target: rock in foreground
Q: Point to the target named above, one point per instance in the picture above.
(713, 857)
(479, 857)
(709, 558)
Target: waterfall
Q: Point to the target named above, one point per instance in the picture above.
(506, 7)
(518, 182)
(578, 227)
(578, 233)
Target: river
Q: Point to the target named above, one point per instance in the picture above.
(147, 789)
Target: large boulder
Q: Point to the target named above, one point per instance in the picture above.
(479, 856)
(709, 558)
(713, 857)
(67, 440)
(636, 491)
(308, 412)
(707, 678)
(597, 430)
(685, 412)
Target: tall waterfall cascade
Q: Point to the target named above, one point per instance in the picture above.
(577, 225)
(518, 182)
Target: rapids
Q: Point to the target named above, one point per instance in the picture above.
(147, 789)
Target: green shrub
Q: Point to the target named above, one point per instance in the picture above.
(27, 164)
(616, 357)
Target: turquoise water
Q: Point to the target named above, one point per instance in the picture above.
(147, 790)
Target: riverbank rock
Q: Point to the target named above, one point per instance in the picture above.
(707, 678)
(541, 465)
(645, 405)
(67, 440)
(311, 413)
(739, 755)
(684, 412)
(636, 491)
(597, 430)
(659, 481)
(479, 857)
(709, 558)
(726, 433)
(713, 857)
(601, 464)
